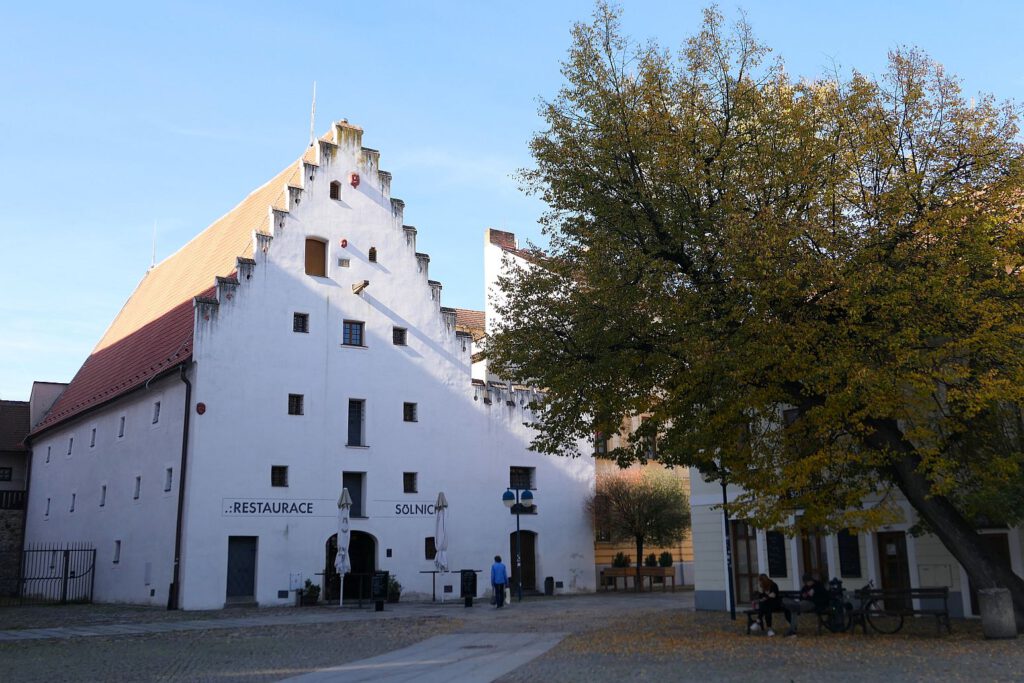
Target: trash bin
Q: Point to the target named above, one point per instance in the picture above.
(549, 585)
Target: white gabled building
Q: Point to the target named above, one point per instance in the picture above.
(296, 345)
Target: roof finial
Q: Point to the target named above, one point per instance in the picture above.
(312, 119)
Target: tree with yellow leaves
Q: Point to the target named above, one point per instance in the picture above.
(810, 288)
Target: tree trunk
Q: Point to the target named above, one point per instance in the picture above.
(639, 561)
(946, 522)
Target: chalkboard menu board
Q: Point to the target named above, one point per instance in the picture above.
(379, 586)
(468, 583)
(849, 555)
(776, 547)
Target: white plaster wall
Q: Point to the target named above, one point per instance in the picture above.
(145, 526)
(248, 360)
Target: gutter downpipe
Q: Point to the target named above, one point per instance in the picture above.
(173, 594)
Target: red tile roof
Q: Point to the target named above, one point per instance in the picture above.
(14, 425)
(153, 332)
(471, 320)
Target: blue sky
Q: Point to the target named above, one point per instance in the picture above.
(117, 117)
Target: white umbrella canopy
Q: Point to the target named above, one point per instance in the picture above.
(342, 562)
(441, 533)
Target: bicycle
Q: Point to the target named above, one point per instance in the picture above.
(840, 615)
(875, 614)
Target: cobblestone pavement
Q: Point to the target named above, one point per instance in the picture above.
(622, 636)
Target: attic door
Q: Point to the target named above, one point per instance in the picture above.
(316, 257)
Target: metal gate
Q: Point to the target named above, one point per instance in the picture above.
(53, 573)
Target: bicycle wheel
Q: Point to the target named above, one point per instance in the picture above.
(884, 622)
(834, 619)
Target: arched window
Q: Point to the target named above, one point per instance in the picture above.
(373, 254)
(335, 189)
(316, 257)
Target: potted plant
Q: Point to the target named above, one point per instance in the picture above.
(665, 559)
(310, 594)
(394, 588)
(621, 560)
(651, 560)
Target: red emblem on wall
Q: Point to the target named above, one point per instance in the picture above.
(354, 179)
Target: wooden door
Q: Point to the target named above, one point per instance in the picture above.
(894, 568)
(814, 555)
(999, 546)
(744, 560)
(528, 560)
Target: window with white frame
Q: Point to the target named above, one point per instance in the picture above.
(138, 488)
(156, 412)
(168, 478)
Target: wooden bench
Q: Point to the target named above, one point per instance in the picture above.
(753, 615)
(934, 602)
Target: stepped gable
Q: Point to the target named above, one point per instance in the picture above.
(154, 330)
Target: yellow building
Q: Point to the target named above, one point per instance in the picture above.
(605, 550)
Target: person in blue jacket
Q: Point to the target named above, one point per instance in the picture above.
(499, 579)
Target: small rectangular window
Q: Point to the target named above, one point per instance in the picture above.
(120, 428)
(156, 412)
(600, 444)
(521, 477)
(103, 495)
(6, 473)
(344, 262)
(356, 419)
(71, 444)
(279, 475)
(168, 479)
(409, 412)
(295, 406)
(300, 322)
(399, 335)
(409, 482)
(372, 255)
(316, 257)
(352, 333)
(117, 551)
(92, 438)
(138, 488)
(47, 513)
(74, 497)
(429, 548)
(48, 453)
(335, 189)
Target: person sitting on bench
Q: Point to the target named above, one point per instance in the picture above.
(768, 601)
(813, 598)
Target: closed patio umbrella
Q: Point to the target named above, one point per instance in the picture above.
(441, 533)
(342, 562)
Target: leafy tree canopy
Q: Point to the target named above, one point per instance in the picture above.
(645, 506)
(810, 287)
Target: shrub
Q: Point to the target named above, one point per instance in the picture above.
(621, 560)
(651, 560)
(665, 560)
